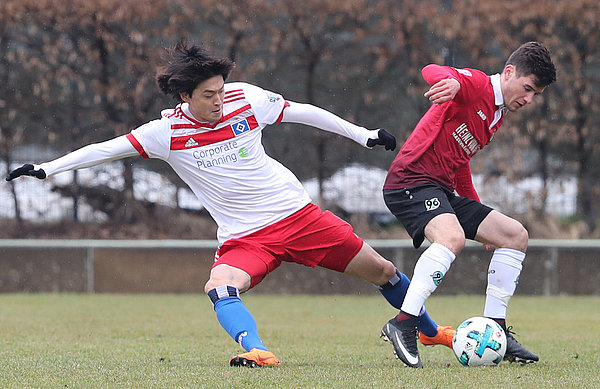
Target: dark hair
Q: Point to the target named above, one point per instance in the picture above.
(189, 66)
(533, 58)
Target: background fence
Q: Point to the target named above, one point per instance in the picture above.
(552, 267)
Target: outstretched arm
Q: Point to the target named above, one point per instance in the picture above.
(317, 117)
(84, 157)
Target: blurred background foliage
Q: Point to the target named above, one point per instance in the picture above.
(75, 72)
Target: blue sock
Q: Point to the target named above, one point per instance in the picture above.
(394, 292)
(235, 318)
(426, 324)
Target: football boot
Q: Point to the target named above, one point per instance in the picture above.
(444, 337)
(403, 336)
(254, 358)
(515, 352)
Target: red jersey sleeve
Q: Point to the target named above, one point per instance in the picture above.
(464, 183)
(433, 73)
(472, 81)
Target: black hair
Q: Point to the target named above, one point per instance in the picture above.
(533, 58)
(188, 66)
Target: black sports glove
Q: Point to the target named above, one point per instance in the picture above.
(383, 138)
(26, 170)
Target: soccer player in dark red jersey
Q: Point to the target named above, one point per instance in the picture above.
(429, 187)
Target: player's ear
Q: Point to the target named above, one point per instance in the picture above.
(185, 96)
(508, 72)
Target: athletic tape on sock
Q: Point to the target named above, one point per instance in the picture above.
(503, 295)
(393, 281)
(221, 292)
(503, 276)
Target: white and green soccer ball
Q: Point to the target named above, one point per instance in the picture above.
(479, 341)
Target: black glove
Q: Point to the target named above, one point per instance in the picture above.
(26, 170)
(383, 138)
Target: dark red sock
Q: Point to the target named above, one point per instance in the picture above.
(404, 316)
(502, 322)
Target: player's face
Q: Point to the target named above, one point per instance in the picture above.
(206, 101)
(518, 90)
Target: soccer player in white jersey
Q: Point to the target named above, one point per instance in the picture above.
(212, 140)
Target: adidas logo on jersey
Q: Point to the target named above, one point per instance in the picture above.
(191, 143)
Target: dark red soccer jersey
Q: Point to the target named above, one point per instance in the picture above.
(449, 135)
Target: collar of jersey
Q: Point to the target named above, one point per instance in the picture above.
(185, 108)
(498, 98)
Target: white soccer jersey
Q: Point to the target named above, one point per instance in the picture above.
(224, 163)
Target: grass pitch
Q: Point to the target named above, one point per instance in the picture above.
(174, 341)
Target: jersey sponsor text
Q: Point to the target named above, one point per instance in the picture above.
(466, 140)
(215, 156)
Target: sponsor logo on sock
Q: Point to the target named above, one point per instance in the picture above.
(437, 277)
(241, 337)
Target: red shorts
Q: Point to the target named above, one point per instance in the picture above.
(308, 237)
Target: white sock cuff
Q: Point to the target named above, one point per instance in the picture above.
(510, 257)
(440, 251)
(419, 292)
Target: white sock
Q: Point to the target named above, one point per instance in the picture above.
(503, 276)
(429, 271)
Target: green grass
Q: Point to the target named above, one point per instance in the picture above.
(174, 341)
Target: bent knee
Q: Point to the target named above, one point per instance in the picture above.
(388, 271)
(210, 285)
(370, 266)
(381, 273)
(224, 275)
(519, 238)
(455, 241)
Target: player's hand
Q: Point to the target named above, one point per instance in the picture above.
(26, 170)
(384, 138)
(443, 90)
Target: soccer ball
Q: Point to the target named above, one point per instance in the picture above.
(479, 341)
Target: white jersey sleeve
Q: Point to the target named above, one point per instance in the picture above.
(153, 139)
(90, 155)
(317, 117)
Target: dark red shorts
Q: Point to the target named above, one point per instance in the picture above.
(308, 237)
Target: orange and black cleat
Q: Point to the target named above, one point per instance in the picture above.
(443, 337)
(254, 358)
